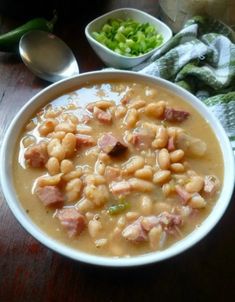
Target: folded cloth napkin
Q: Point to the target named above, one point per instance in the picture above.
(201, 59)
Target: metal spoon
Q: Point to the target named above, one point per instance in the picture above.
(47, 56)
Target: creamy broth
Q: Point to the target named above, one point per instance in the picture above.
(174, 208)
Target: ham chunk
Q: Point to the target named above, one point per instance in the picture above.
(120, 188)
(142, 138)
(102, 116)
(165, 219)
(50, 196)
(135, 232)
(173, 115)
(211, 185)
(138, 230)
(72, 221)
(111, 145)
(84, 140)
(192, 146)
(183, 194)
(36, 155)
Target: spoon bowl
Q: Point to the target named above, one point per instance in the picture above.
(47, 56)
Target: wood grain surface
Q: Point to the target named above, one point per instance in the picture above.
(31, 272)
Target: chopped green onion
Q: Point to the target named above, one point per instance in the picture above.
(128, 37)
(118, 208)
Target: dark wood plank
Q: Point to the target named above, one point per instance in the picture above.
(31, 272)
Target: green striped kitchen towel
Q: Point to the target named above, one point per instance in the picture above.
(201, 58)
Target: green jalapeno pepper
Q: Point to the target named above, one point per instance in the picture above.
(9, 41)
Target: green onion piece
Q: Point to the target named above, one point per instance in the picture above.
(118, 208)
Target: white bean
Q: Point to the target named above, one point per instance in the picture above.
(55, 149)
(137, 104)
(95, 179)
(73, 174)
(49, 180)
(73, 189)
(161, 138)
(177, 168)
(99, 195)
(161, 206)
(155, 236)
(134, 163)
(121, 222)
(195, 185)
(101, 242)
(94, 228)
(130, 216)
(197, 202)
(69, 144)
(176, 155)
(145, 173)
(66, 166)
(164, 159)
(155, 110)
(140, 185)
(131, 118)
(67, 126)
(47, 126)
(99, 167)
(53, 166)
(85, 205)
(146, 205)
(120, 111)
(161, 176)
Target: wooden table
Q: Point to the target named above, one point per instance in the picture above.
(31, 272)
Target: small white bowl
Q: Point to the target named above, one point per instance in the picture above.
(113, 59)
(59, 88)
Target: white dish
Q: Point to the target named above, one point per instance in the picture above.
(70, 84)
(113, 59)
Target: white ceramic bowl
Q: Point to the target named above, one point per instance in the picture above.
(60, 88)
(113, 59)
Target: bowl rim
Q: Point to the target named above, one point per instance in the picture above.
(110, 51)
(153, 257)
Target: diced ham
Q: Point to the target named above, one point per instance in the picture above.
(170, 220)
(211, 185)
(36, 155)
(112, 174)
(102, 116)
(84, 140)
(134, 232)
(183, 194)
(139, 229)
(173, 115)
(171, 144)
(192, 146)
(120, 188)
(111, 145)
(149, 222)
(141, 139)
(50, 196)
(165, 219)
(72, 221)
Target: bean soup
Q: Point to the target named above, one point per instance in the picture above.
(118, 168)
